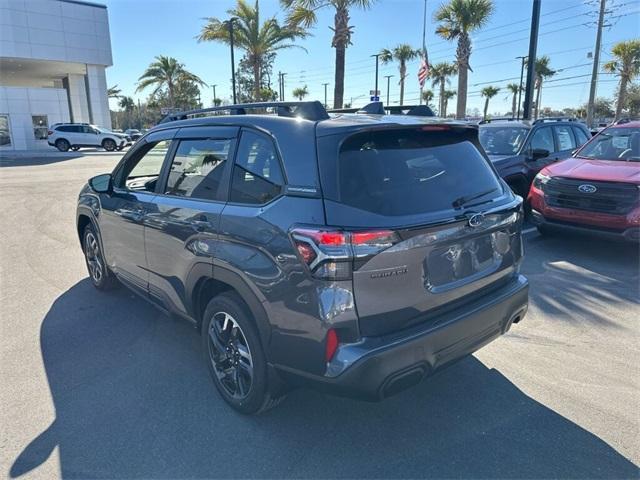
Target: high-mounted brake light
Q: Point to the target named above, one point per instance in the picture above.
(329, 254)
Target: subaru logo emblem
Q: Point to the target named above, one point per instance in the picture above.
(476, 220)
(587, 188)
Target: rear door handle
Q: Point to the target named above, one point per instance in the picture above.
(201, 224)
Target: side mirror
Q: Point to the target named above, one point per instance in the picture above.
(102, 183)
(574, 151)
(538, 153)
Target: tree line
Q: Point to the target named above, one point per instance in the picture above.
(171, 85)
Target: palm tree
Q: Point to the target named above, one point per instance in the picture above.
(113, 92)
(459, 18)
(440, 73)
(626, 65)
(300, 92)
(257, 40)
(448, 94)
(402, 53)
(304, 12)
(514, 89)
(488, 93)
(127, 104)
(427, 96)
(166, 72)
(542, 71)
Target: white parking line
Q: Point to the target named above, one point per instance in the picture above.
(529, 230)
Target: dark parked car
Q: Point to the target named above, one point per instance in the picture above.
(351, 253)
(519, 149)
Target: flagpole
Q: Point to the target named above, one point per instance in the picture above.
(424, 40)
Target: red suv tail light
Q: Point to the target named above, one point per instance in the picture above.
(331, 345)
(329, 254)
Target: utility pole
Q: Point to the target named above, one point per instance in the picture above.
(233, 63)
(522, 61)
(279, 85)
(376, 89)
(388, 77)
(282, 76)
(325, 94)
(214, 94)
(531, 61)
(596, 65)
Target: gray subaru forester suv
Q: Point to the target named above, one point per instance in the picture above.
(353, 253)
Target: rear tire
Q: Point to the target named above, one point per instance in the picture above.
(234, 355)
(99, 274)
(109, 145)
(63, 145)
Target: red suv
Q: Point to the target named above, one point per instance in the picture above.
(597, 190)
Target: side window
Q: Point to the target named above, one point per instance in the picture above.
(257, 175)
(543, 138)
(581, 136)
(564, 135)
(142, 170)
(197, 168)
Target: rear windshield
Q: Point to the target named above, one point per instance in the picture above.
(411, 171)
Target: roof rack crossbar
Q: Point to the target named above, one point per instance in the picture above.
(555, 119)
(308, 110)
(378, 108)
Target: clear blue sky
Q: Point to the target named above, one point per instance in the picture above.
(142, 29)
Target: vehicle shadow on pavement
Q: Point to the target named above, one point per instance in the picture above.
(596, 276)
(133, 399)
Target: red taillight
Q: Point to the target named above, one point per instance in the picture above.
(331, 346)
(329, 253)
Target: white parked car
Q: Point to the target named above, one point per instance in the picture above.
(65, 136)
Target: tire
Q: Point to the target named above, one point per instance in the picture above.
(63, 145)
(119, 148)
(109, 145)
(234, 355)
(99, 274)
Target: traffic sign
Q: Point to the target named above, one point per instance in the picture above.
(375, 99)
(374, 93)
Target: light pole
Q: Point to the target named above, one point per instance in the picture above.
(233, 67)
(325, 94)
(214, 94)
(282, 76)
(522, 60)
(531, 61)
(376, 89)
(388, 77)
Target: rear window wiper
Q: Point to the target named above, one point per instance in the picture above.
(461, 201)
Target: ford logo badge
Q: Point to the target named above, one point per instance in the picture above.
(587, 188)
(476, 220)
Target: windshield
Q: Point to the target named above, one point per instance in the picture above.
(619, 143)
(502, 140)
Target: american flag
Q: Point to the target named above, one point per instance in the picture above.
(423, 72)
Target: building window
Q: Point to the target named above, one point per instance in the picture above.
(40, 126)
(5, 131)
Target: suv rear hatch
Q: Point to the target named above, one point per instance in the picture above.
(443, 229)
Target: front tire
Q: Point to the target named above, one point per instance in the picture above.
(109, 145)
(99, 274)
(63, 145)
(234, 355)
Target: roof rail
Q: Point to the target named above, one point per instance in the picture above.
(499, 119)
(307, 110)
(555, 119)
(378, 108)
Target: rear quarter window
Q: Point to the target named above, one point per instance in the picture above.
(402, 172)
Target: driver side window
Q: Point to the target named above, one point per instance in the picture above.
(543, 139)
(142, 170)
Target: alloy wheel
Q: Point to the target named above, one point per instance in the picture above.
(94, 258)
(230, 355)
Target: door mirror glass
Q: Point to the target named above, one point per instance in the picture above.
(101, 183)
(538, 153)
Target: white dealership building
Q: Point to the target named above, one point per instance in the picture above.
(53, 56)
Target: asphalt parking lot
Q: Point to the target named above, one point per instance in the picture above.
(98, 385)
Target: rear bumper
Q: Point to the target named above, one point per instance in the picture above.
(378, 367)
